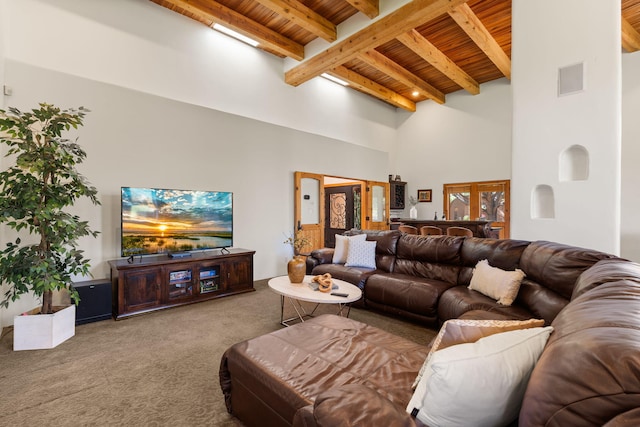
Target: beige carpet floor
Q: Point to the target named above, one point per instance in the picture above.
(158, 369)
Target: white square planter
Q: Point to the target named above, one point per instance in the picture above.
(41, 331)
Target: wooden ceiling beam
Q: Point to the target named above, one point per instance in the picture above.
(218, 13)
(475, 29)
(371, 8)
(304, 17)
(372, 88)
(427, 51)
(386, 28)
(404, 76)
(630, 37)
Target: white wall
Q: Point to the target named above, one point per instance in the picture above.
(630, 226)
(466, 139)
(587, 213)
(142, 46)
(136, 139)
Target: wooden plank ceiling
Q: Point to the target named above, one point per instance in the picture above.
(420, 51)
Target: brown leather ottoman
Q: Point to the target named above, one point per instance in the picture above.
(265, 380)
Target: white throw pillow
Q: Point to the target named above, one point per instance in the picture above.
(361, 254)
(342, 247)
(461, 331)
(495, 283)
(479, 384)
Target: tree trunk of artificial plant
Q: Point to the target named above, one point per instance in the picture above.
(47, 303)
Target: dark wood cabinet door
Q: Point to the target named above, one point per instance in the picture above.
(179, 285)
(239, 273)
(142, 289)
(397, 194)
(208, 278)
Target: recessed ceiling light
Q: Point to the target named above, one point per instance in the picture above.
(235, 34)
(415, 93)
(334, 79)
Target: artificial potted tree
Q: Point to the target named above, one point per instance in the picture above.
(34, 191)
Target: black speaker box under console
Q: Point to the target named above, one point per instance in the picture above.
(95, 301)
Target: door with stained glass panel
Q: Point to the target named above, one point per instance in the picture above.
(342, 211)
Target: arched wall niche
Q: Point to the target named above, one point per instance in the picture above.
(574, 164)
(542, 202)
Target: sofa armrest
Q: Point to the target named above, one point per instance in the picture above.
(304, 417)
(225, 380)
(319, 256)
(354, 405)
(629, 418)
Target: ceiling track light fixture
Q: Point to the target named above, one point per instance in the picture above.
(234, 34)
(334, 79)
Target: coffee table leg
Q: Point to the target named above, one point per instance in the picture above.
(282, 310)
(302, 313)
(341, 308)
(299, 309)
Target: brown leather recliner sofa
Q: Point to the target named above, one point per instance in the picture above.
(334, 371)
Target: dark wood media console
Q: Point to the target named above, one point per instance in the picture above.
(158, 282)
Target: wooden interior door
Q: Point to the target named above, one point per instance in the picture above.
(309, 208)
(376, 206)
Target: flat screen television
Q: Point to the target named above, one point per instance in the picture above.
(166, 221)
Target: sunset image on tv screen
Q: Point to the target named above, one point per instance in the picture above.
(161, 220)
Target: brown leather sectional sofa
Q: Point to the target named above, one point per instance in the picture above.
(426, 279)
(333, 371)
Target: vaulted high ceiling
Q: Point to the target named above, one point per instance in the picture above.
(420, 51)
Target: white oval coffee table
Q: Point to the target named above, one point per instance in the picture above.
(295, 293)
